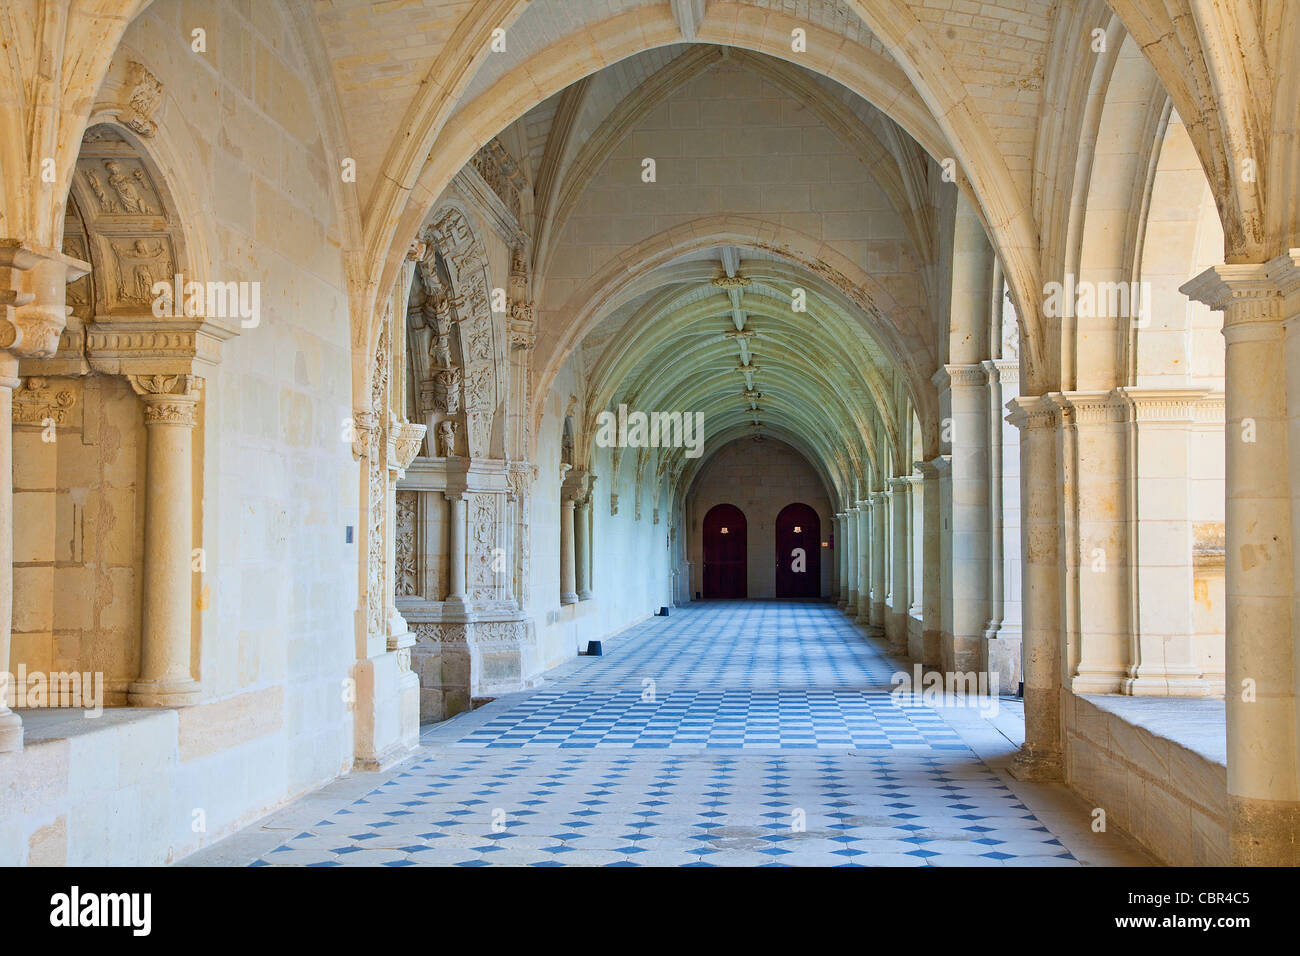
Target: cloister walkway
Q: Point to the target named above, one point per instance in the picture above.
(730, 733)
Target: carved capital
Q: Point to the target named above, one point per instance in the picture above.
(365, 434)
(168, 399)
(142, 94)
(404, 440)
(33, 297)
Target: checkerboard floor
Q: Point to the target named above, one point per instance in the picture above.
(731, 733)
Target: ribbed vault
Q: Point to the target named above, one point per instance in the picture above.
(757, 344)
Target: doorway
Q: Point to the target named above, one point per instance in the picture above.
(724, 553)
(798, 552)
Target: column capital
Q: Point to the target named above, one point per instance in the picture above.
(168, 399)
(948, 376)
(902, 482)
(1090, 408)
(1250, 293)
(1033, 411)
(575, 484)
(936, 467)
(1006, 371)
(33, 297)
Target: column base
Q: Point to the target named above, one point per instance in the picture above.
(1170, 685)
(1036, 764)
(392, 755)
(11, 732)
(1263, 832)
(569, 597)
(163, 692)
(896, 632)
(456, 605)
(585, 595)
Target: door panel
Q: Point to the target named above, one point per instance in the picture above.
(724, 553)
(798, 576)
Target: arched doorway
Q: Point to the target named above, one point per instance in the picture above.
(724, 553)
(798, 575)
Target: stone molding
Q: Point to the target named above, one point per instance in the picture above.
(1118, 406)
(1004, 371)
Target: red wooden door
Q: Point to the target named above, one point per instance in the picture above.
(724, 553)
(798, 552)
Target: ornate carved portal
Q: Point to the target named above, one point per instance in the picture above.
(461, 515)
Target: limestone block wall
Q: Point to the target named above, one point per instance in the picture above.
(759, 478)
(1127, 756)
(78, 529)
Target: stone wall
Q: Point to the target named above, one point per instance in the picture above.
(759, 478)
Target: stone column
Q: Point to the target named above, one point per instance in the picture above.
(11, 725)
(166, 679)
(837, 596)
(1163, 648)
(582, 548)
(931, 562)
(851, 558)
(457, 598)
(1094, 513)
(1040, 756)
(916, 559)
(568, 575)
(1002, 630)
(879, 526)
(964, 398)
(1261, 315)
(896, 621)
(862, 614)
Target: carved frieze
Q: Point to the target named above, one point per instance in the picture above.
(36, 402)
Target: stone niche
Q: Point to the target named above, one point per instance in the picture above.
(473, 642)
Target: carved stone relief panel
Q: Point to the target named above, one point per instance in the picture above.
(407, 571)
(120, 185)
(135, 263)
(486, 577)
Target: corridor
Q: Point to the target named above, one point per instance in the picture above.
(732, 733)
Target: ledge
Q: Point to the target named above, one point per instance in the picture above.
(45, 724)
(1197, 724)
